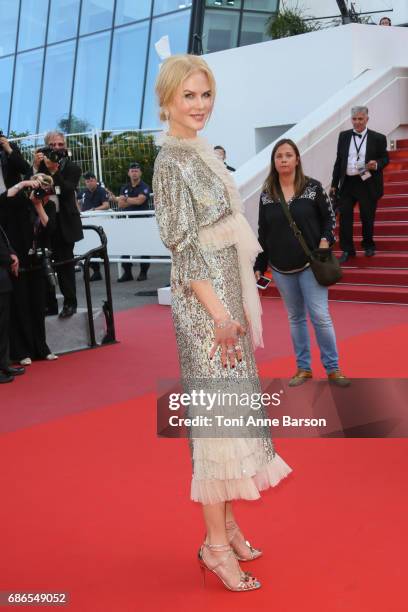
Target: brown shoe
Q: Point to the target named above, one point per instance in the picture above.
(337, 378)
(300, 377)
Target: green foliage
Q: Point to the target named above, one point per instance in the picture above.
(14, 134)
(289, 22)
(118, 151)
(74, 125)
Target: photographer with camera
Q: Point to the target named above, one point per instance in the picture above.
(27, 318)
(53, 159)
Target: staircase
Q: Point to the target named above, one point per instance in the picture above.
(384, 277)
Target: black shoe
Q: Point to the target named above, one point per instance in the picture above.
(370, 252)
(125, 278)
(345, 256)
(95, 277)
(67, 311)
(14, 371)
(5, 378)
(142, 276)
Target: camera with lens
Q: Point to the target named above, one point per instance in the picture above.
(44, 256)
(54, 155)
(40, 192)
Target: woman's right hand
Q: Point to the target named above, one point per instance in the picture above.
(257, 275)
(30, 184)
(227, 334)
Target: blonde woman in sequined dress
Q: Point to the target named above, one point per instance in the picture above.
(216, 309)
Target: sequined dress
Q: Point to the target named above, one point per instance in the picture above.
(192, 195)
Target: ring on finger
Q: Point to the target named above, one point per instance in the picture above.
(237, 348)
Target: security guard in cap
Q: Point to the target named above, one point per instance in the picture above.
(134, 196)
(93, 197)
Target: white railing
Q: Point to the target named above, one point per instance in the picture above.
(127, 234)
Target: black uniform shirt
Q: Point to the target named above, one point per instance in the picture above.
(93, 199)
(132, 192)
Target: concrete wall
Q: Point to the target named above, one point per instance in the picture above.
(280, 82)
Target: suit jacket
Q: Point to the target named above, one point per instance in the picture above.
(376, 150)
(69, 219)
(5, 261)
(13, 166)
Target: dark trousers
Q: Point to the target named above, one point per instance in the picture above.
(62, 251)
(127, 267)
(355, 190)
(27, 319)
(4, 329)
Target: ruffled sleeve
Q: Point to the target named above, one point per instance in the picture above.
(177, 222)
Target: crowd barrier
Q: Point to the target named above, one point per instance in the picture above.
(131, 234)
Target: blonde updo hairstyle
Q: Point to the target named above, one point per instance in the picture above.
(46, 181)
(173, 72)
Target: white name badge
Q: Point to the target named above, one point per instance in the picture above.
(365, 175)
(57, 189)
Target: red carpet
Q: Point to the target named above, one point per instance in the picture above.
(94, 504)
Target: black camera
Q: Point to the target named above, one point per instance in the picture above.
(54, 155)
(40, 192)
(44, 255)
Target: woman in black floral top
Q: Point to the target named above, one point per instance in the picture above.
(312, 211)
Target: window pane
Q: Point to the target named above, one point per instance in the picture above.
(63, 20)
(8, 26)
(96, 15)
(129, 10)
(6, 71)
(261, 5)
(59, 66)
(177, 27)
(165, 6)
(234, 4)
(27, 79)
(253, 29)
(90, 79)
(220, 30)
(126, 77)
(33, 19)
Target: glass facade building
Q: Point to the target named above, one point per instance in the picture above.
(86, 62)
(235, 23)
(82, 64)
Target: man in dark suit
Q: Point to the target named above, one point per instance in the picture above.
(66, 176)
(358, 177)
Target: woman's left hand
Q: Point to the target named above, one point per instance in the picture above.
(324, 244)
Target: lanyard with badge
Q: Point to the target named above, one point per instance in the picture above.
(360, 165)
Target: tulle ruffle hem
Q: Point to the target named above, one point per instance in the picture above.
(215, 491)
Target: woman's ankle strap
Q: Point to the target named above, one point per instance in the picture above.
(220, 547)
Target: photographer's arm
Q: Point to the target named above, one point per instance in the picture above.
(15, 159)
(13, 191)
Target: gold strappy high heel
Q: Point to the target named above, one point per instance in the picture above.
(242, 548)
(246, 583)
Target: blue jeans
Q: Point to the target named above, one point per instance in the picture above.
(302, 294)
